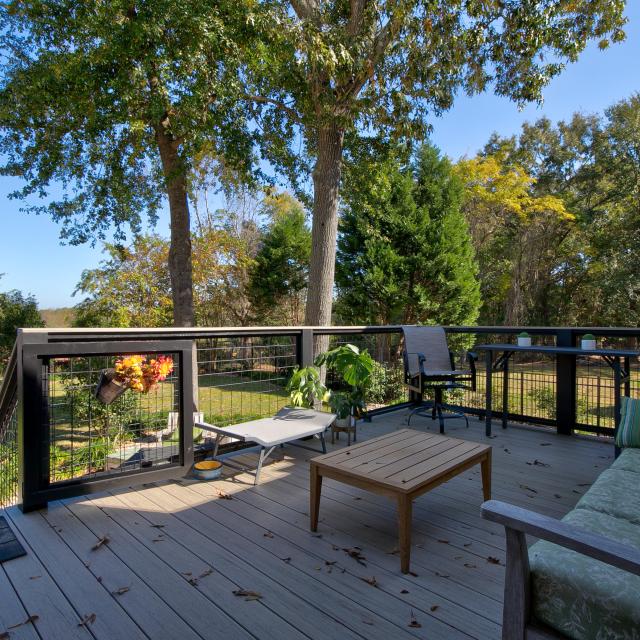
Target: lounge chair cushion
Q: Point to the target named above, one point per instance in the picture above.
(616, 493)
(628, 434)
(583, 598)
(629, 460)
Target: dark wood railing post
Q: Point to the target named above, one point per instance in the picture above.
(305, 348)
(565, 384)
(33, 425)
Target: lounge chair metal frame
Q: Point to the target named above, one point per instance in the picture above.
(287, 426)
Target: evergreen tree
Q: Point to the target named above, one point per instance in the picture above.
(279, 276)
(404, 251)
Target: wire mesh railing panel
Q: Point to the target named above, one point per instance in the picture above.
(532, 378)
(9, 457)
(595, 388)
(386, 386)
(94, 438)
(244, 378)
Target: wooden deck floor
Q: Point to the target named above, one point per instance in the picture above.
(174, 553)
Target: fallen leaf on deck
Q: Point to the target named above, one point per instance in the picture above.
(470, 566)
(545, 444)
(101, 541)
(330, 562)
(32, 618)
(34, 577)
(99, 579)
(159, 540)
(444, 541)
(369, 622)
(120, 591)
(287, 560)
(157, 526)
(357, 498)
(434, 607)
(87, 620)
(193, 582)
(404, 591)
(557, 495)
(247, 595)
(268, 534)
(372, 581)
(335, 547)
(356, 554)
(493, 560)
(413, 623)
(526, 488)
(224, 496)
(206, 572)
(538, 463)
(576, 491)
(584, 484)
(467, 544)
(506, 450)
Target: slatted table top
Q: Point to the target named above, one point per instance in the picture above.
(404, 461)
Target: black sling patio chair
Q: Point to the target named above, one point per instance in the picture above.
(429, 366)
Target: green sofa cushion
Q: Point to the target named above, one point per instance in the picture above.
(629, 460)
(628, 434)
(617, 493)
(583, 598)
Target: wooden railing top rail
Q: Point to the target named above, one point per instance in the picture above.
(80, 334)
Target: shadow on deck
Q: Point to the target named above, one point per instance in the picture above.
(164, 561)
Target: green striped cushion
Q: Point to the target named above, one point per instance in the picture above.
(629, 430)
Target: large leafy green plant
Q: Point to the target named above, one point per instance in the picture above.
(355, 367)
(305, 387)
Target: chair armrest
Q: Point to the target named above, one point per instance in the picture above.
(566, 535)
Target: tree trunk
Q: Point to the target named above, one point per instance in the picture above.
(180, 263)
(326, 185)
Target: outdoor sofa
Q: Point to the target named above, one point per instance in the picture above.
(581, 580)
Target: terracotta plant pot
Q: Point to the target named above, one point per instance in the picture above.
(108, 388)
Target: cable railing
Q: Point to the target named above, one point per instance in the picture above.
(57, 439)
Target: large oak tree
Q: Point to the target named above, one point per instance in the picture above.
(105, 107)
(330, 68)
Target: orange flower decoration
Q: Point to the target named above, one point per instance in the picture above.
(140, 374)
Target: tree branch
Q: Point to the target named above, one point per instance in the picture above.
(305, 9)
(355, 19)
(292, 113)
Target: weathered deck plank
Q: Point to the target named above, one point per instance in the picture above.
(260, 540)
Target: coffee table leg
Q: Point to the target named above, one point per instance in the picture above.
(405, 507)
(485, 468)
(316, 488)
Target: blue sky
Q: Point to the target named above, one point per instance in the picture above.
(33, 260)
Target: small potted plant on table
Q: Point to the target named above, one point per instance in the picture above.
(588, 342)
(524, 339)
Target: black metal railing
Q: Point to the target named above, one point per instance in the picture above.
(56, 439)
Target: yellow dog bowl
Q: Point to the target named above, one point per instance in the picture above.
(207, 469)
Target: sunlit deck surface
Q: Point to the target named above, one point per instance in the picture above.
(174, 553)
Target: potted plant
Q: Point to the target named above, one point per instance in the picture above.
(355, 367)
(305, 387)
(135, 372)
(588, 342)
(524, 339)
(341, 405)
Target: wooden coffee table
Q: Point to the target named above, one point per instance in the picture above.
(401, 465)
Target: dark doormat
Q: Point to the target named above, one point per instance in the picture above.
(10, 548)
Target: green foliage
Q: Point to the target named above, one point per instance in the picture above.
(355, 368)
(89, 87)
(279, 273)
(404, 251)
(16, 311)
(571, 260)
(306, 387)
(386, 385)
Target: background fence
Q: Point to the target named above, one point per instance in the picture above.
(242, 375)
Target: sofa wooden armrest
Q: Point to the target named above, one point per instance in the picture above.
(518, 523)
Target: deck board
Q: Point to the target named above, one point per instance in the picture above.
(260, 540)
